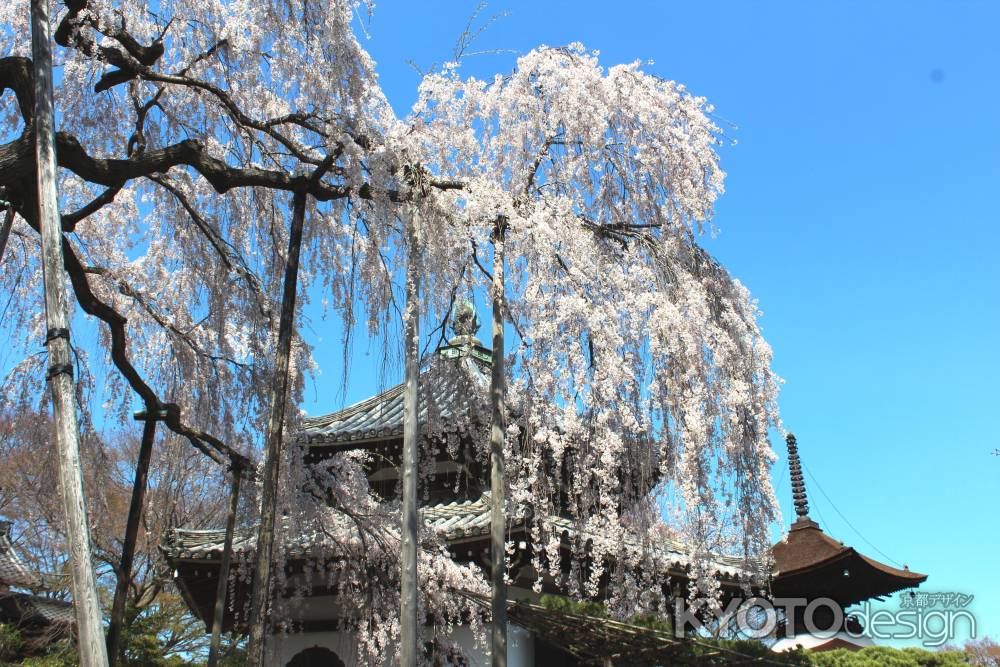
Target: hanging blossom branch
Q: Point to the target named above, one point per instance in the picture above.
(641, 369)
(116, 324)
(174, 179)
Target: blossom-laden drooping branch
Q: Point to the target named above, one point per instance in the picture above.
(640, 366)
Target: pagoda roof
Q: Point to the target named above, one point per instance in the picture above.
(13, 571)
(445, 393)
(810, 563)
(456, 522)
(453, 521)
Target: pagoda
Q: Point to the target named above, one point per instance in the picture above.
(811, 565)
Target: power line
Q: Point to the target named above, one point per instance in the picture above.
(865, 539)
(779, 487)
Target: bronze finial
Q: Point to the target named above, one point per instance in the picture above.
(465, 320)
(798, 482)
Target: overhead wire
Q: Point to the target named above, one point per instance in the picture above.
(837, 510)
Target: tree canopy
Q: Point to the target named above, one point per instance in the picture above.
(639, 379)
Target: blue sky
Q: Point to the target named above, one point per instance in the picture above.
(861, 210)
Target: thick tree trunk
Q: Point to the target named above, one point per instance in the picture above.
(498, 522)
(260, 601)
(90, 633)
(408, 620)
(227, 558)
(131, 535)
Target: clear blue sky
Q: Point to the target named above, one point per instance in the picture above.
(861, 209)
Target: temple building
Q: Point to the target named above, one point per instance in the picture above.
(40, 620)
(456, 506)
(809, 564)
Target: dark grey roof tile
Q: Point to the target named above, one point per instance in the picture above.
(449, 387)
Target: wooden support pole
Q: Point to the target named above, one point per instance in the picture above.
(408, 621)
(498, 522)
(5, 227)
(260, 601)
(131, 537)
(227, 556)
(90, 633)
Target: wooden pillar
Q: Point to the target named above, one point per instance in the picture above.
(498, 522)
(131, 533)
(408, 621)
(5, 227)
(90, 632)
(227, 555)
(260, 600)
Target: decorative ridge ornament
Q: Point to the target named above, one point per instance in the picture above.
(464, 324)
(798, 482)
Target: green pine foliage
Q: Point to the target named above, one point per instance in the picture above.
(883, 656)
(10, 643)
(716, 651)
(567, 605)
(151, 640)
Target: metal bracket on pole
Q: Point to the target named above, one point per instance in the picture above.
(164, 412)
(54, 334)
(59, 369)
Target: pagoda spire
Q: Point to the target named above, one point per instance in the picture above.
(798, 482)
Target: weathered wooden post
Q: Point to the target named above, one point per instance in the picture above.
(498, 522)
(5, 227)
(60, 369)
(224, 565)
(408, 621)
(132, 529)
(260, 600)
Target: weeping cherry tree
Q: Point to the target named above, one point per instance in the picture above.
(198, 138)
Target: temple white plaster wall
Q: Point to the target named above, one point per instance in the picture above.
(283, 648)
(520, 647)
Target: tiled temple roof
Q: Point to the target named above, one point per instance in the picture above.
(453, 389)
(13, 571)
(809, 562)
(453, 521)
(381, 416)
(23, 608)
(592, 639)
